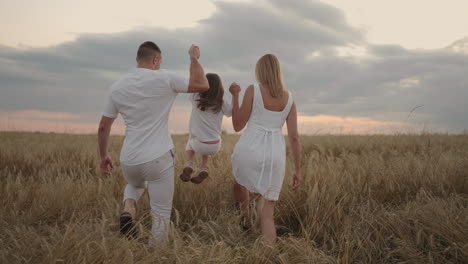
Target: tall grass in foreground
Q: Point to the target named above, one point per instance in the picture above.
(365, 199)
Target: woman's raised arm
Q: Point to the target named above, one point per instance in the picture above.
(240, 115)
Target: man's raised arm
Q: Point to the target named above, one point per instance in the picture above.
(198, 81)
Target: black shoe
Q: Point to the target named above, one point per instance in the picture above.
(127, 227)
(245, 223)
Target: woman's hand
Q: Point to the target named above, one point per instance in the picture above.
(297, 180)
(234, 89)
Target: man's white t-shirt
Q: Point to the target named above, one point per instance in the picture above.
(144, 98)
(205, 126)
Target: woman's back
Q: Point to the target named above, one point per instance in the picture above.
(274, 104)
(267, 111)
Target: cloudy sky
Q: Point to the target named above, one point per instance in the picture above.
(360, 66)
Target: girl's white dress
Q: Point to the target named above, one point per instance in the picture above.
(259, 157)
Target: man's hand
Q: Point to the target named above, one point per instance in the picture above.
(194, 52)
(234, 89)
(106, 165)
(297, 180)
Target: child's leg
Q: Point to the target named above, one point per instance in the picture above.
(202, 171)
(205, 150)
(189, 154)
(205, 159)
(188, 166)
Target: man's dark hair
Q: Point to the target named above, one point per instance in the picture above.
(148, 49)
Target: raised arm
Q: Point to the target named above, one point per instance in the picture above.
(240, 115)
(198, 81)
(103, 140)
(295, 145)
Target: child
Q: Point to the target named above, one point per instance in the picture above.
(208, 109)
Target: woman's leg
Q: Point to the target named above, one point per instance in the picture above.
(242, 197)
(267, 222)
(259, 205)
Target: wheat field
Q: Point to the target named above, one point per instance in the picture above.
(365, 199)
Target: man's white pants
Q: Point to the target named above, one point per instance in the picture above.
(159, 175)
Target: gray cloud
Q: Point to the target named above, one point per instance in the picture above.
(385, 84)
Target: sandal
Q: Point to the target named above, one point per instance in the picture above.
(186, 174)
(201, 176)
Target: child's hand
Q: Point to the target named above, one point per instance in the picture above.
(194, 52)
(234, 89)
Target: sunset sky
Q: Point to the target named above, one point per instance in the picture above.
(360, 66)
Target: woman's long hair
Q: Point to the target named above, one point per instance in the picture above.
(268, 72)
(213, 98)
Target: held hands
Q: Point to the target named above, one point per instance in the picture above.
(106, 165)
(297, 180)
(194, 52)
(234, 89)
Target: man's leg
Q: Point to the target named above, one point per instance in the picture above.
(161, 192)
(133, 191)
(134, 188)
(132, 194)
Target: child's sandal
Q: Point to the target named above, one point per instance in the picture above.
(186, 174)
(201, 176)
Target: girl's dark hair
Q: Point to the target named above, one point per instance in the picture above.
(213, 98)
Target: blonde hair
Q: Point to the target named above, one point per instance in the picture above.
(268, 72)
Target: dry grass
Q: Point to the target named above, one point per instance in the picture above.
(366, 199)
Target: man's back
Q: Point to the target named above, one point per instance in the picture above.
(144, 98)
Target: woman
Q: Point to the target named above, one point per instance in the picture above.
(259, 156)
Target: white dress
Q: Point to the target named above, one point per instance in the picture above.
(259, 157)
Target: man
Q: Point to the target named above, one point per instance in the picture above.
(144, 98)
